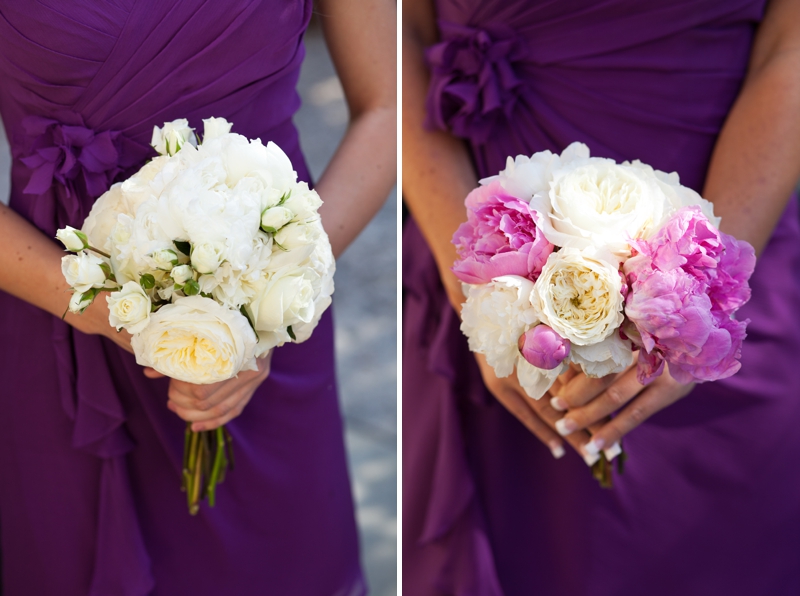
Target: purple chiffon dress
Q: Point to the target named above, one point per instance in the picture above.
(90, 456)
(709, 502)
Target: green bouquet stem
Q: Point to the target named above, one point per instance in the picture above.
(207, 455)
(603, 469)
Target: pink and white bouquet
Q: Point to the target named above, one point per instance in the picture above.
(211, 255)
(577, 259)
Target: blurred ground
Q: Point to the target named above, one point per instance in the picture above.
(365, 308)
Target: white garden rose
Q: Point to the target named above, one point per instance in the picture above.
(322, 262)
(610, 356)
(275, 218)
(129, 308)
(578, 295)
(71, 238)
(197, 341)
(207, 257)
(493, 318)
(169, 139)
(182, 273)
(215, 127)
(597, 202)
(295, 243)
(284, 297)
(83, 271)
(77, 302)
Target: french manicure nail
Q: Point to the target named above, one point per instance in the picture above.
(613, 451)
(557, 450)
(590, 459)
(594, 446)
(558, 404)
(566, 426)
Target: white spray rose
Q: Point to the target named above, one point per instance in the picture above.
(578, 295)
(197, 341)
(215, 127)
(77, 303)
(494, 317)
(129, 308)
(165, 259)
(275, 218)
(72, 239)
(83, 271)
(182, 273)
(303, 201)
(169, 139)
(296, 243)
(206, 257)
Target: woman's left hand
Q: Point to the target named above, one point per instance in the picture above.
(587, 401)
(211, 406)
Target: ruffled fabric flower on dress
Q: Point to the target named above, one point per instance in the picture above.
(473, 80)
(68, 154)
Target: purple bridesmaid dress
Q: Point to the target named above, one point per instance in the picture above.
(709, 502)
(90, 456)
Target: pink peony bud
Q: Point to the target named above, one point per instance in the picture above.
(543, 347)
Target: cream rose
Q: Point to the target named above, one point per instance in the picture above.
(275, 218)
(578, 295)
(215, 127)
(129, 308)
(182, 273)
(197, 341)
(207, 257)
(597, 202)
(285, 297)
(83, 271)
(78, 303)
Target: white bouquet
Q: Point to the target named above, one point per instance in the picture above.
(577, 259)
(211, 255)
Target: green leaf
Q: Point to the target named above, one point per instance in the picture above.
(184, 247)
(191, 288)
(147, 281)
(291, 333)
(285, 198)
(269, 230)
(107, 270)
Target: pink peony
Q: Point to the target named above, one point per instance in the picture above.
(500, 237)
(685, 284)
(543, 347)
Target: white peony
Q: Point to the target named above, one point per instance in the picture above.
(83, 271)
(71, 238)
(610, 356)
(525, 176)
(169, 139)
(129, 308)
(215, 127)
(578, 295)
(197, 341)
(536, 381)
(493, 318)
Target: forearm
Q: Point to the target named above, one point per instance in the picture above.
(756, 161)
(30, 269)
(359, 177)
(437, 171)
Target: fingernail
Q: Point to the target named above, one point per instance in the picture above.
(557, 450)
(558, 404)
(613, 451)
(594, 446)
(590, 459)
(566, 426)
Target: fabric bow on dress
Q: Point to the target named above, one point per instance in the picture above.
(473, 80)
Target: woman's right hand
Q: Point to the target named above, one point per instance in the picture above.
(94, 321)
(537, 415)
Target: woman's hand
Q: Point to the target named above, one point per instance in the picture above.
(538, 416)
(211, 406)
(588, 401)
(94, 321)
